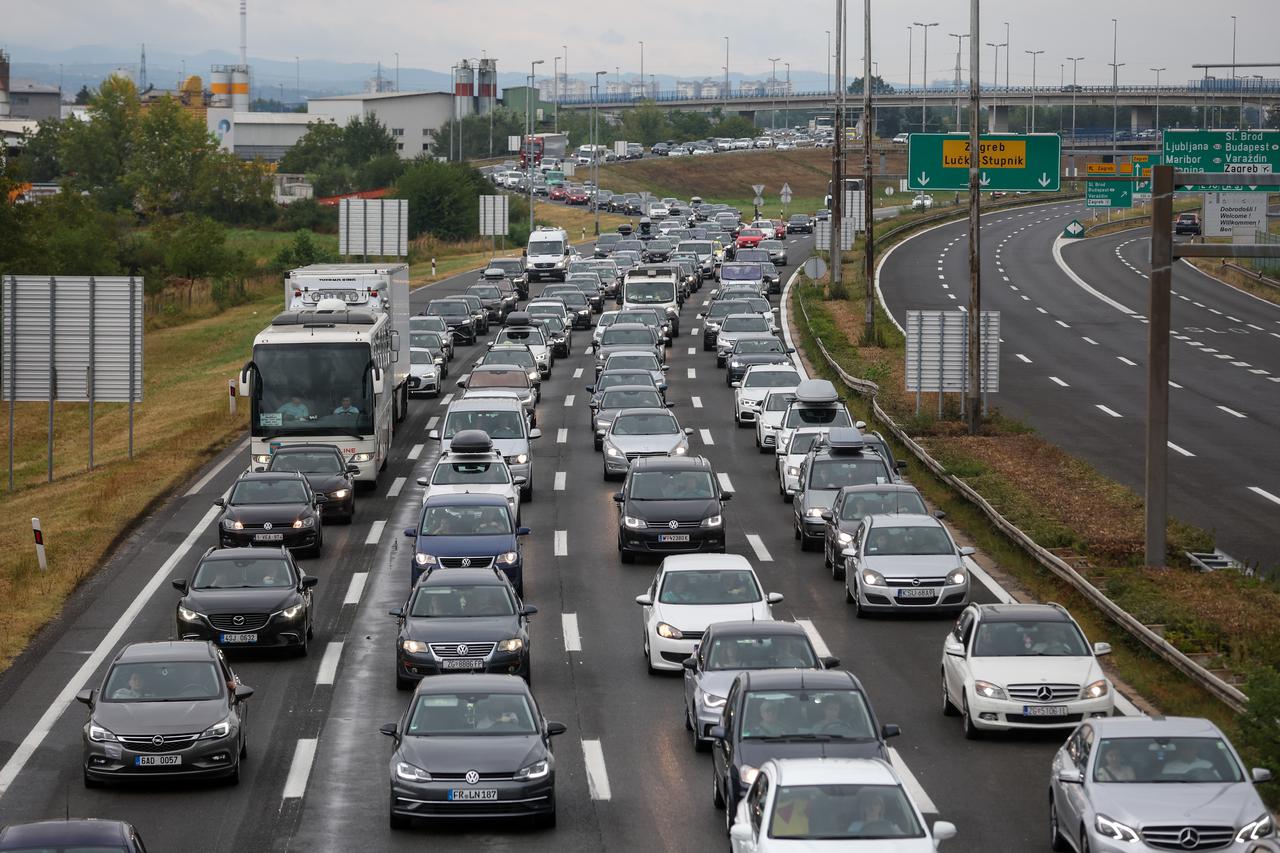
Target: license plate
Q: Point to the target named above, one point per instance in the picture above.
(673, 537)
(157, 760)
(914, 592)
(463, 663)
(1044, 710)
(232, 639)
(473, 794)
(268, 537)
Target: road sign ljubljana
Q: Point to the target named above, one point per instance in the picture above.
(1012, 162)
(1232, 152)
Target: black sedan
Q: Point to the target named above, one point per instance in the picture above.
(328, 472)
(799, 224)
(272, 508)
(749, 351)
(472, 746)
(165, 710)
(247, 598)
(670, 505)
(99, 836)
(462, 620)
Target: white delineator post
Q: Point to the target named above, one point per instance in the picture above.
(39, 537)
(231, 395)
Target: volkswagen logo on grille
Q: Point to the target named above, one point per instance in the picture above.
(266, 525)
(1189, 838)
(237, 620)
(462, 650)
(673, 524)
(466, 561)
(915, 581)
(472, 777)
(158, 740)
(1045, 693)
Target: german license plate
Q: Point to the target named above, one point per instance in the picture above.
(916, 592)
(673, 537)
(157, 760)
(268, 537)
(462, 663)
(457, 794)
(1044, 710)
(235, 639)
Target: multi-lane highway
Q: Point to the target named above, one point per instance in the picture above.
(1073, 354)
(628, 776)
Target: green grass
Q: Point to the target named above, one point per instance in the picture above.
(263, 246)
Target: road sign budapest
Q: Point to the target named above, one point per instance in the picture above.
(1233, 152)
(1009, 162)
(1114, 194)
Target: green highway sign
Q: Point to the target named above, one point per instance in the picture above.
(1074, 229)
(1112, 194)
(1007, 161)
(1142, 172)
(1232, 152)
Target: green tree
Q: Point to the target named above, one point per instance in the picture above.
(171, 150)
(645, 124)
(96, 153)
(196, 247)
(687, 126)
(363, 139)
(379, 172)
(84, 96)
(234, 191)
(40, 160)
(477, 131)
(734, 126)
(302, 251)
(65, 234)
(320, 144)
(444, 199)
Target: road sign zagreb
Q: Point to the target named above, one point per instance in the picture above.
(1009, 162)
(1113, 194)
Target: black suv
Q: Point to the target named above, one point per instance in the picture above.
(272, 508)
(457, 315)
(328, 472)
(670, 505)
(799, 223)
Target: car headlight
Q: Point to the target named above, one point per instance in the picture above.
(957, 577)
(300, 523)
(217, 730)
(424, 559)
(735, 363)
(536, 770)
(748, 774)
(340, 494)
(713, 521)
(362, 457)
(514, 644)
(407, 772)
(793, 471)
(292, 612)
(872, 578)
(508, 558)
(710, 700)
(98, 734)
(1113, 829)
(987, 690)
(610, 450)
(844, 538)
(669, 632)
(188, 615)
(232, 524)
(519, 458)
(533, 375)
(1255, 829)
(680, 449)
(634, 523)
(813, 512)
(262, 458)
(413, 647)
(1096, 690)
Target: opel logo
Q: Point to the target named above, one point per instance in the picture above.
(237, 620)
(673, 524)
(466, 561)
(915, 581)
(1045, 693)
(462, 650)
(1189, 838)
(472, 777)
(158, 740)
(266, 526)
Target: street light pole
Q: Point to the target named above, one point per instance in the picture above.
(595, 154)
(868, 132)
(959, 37)
(995, 64)
(786, 97)
(297, 78)
(726, 76)
(1075, 60)
(397, 71)
(564, 89)
(453, 104)
(1259, 78)
(1034, 54)
(773, 94)
(1006, 54)
(828, 62)
(642, 89)
(1115, 79)
(924, 78)
(528, 132)
(911, 41)
(974, 399)
(1157, 120)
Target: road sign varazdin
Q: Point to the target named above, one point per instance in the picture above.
(1234, 152)
(1009, 162)
(1113, 194)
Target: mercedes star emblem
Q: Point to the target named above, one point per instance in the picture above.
(466, 561)
(462, 650)
(266, 526)
(673, 524)
(237, 620)
(1189, 838)
(472, 777)
(158, 740)
(1045, 693)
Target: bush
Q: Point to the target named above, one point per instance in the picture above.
(301, 252)
(1260, 724)
(309, 215)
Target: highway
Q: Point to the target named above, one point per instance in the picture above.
(1074, 352)
(628, 778)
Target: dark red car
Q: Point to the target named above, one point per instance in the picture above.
(749, 238)
(578, 197)
(558, 194)
(779, 229)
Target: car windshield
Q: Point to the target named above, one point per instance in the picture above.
(1057, 638)
(887, 502)
(268, 492)
(771, 379)
(710, 586)
(640, 398)
(641, 361)
(496, 423)
(520, 357)
(613, 337)
(836, 812)
(759, 255)
(741, 272)
(510, 267)
(642, 423)
(785, 652)
(498, 379)
(461, 601)
(461, 473)
(420, 356)
(465, 521)
(647, 317)
(449, 309)
(612, 379)
(421, 323)
(812, 416)
(745, 324)
(528, 335)
(469, 714)
(778, 402)
(485, 291)
(888, 541)
(608, 239)
(847, 471)
(1145, 760)
(247, 573)
(799, 217)
(308, 462)
(546, 247)
(650, 291)
(806, 713)
(425, 340)
(723, 308)
(672, 486)
(701, 247)
(163, 681)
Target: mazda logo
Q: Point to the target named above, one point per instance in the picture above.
(466, 561)
(915, 581)
(1045, 693)
(673, 524)
(462, 650)
(237, 620)
(158, 740)
(1189, 838)
(472, 777)
(266, 526)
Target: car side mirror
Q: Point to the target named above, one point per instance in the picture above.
(726, 496)
(688, 430)
(433, 434)
(398, 613)
(790, 350)
(939, 514)
(535, 433)
(644, 599)
(390, 730)
(900, 465)
(774, 598)
(519, 481)
(243, 692)
(1102, 648)
(528, 610)
(87, 697)
(322, 499)
(953, 647)
(353, 469)
(1069, 776)
(690, 663)
(942, 830)
(554, 728)
(423, 481)
(740, 832)
(735, 384)
(619, 497)
(966, 551)
(411, 531)
(830, 662)
(665, 368)
(889, 730)
(1260, 775)
(259, 469)
(716, 733)
(699, 317)
(827, 515)
(180, 585)
(591, 389)
(308, 582)
(851, 553)
(461, 383)
(220, 502)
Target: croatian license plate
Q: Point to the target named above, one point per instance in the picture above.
(1044, 710)
(917, 592)
(268, 537)
(473, 794)
(462, 663)
(234, 639)
(673, 537)
(157, 760)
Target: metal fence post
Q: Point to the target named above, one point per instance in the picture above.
(942, 359)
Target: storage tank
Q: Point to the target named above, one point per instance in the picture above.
(220, 86)
(488, 85)
(4, 84)
(240, 88)
(464, 89)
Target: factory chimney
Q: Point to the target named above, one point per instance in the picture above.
(4, 84)
(244, 34)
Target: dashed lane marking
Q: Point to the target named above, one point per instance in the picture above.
(304, 755)
(705, 435)
(757, 545)
(375, 532)
(1112, 412)
(725, 483)
(1126, 361)
(415, 451)
(356, 588)
(1176, 449)
(560, 481)
(328, 670)
(1059, 381)
(1233, 412)
(562, 436)
(597, 775)
(562, 543)
(568, 400)
(1022, 358)
(697, 402)
(396, 485)
(569, 627)
(1264, 493)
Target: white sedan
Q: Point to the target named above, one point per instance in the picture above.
(759, 380)
(691, 591)
(846, 804)
(791, 454)
(769, 417)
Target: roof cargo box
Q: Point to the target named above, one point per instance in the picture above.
(813, 391)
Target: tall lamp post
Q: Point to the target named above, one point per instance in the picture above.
(528, 131)
(1156, 123)
(1259, 78)
(786, 114)
(297, 78)
(959, 37)
(1075, 60)
(911, 41)
(555, 90)
(828, 62)
(726, 75)
(564, 89)
(595, 152)
(643, 93)
(1115, 79)
(1240, 118)
(1006, 44)
(397, 71)
(924, 77)
(995, 64)
(1034, 54)
(773, 94)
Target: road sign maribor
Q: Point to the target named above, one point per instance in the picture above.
(1235, 152)
(1008, 162)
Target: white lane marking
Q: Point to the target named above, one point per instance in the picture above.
(1012, 287)
(1173, 384)
(819, 645)
(1022, 357)
(989, 582)
(431, 423)
(415, 451)
(217, 469)
(1223, 356)
(568, 400)
(597, 775)
(329, 663)
(946, 286)
(446, 399)
(1198, 304)
(396, 485)
(1233, 412)
(356, 588)
(1089, 341)
(560, 482)
(1234, 319)
(951, 296)
(1041, 310)
(569, 627)
(1108, 411)
(304, 755)
(1059, 381)
(1240, 364)
(67, 694)
(562, 543)
(1255, 328)
(587, 351)
(577, 373)
(693, 373)
(705, 435)
(562, 436)
(695, 331)
(757, 545)
(1025, 298)
(693, 350)
(1215, 311)
(697, 402)
(912, 784)
(375, 532)
(1178, 449)
(725, 482)
(1062, 324)
(1127, 361)
(941, 276)
(1264, 493)
(1260, 371)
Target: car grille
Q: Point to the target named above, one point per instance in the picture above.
(484, 777)
(691, 635)
(922, 582)
(466, 562)
(680, 525)
(462, 650)
(916, 602)
(1030, 692)
(1200, 837)
(146, 743)
(647, 453)
(247, 621)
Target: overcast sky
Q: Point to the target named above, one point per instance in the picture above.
(681, 38)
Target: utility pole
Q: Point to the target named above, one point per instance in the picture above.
(868, 197)
(528, 132)
(555, 90)
(397, 71)
(773, 94)
(1115, 79)
(995, 64)
(1034, 54)
(297, 78)
(1007, 42)
(828, 62)
(453, 105)
(911, 39)
(1157, 119)
(642, 88)
(1158, 312)
(974, 400)
(595, 154)
(924, 78)
(959, 37)
(565, 88)
(786, 99)
(1075, 60)
(837, 161)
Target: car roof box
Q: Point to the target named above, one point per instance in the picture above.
(845, 440)
(816, 391)
(471, 441)
(519, 318)
(494, 273)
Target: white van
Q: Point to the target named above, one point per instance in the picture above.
(547, 255)
(654, 286)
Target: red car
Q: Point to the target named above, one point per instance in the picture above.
(558, 194)
(578, 197)
(749, 238)
(779, 229)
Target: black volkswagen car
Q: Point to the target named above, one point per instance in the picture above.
(90, 834)
(472, 746)
(328, 472)
(790, 714)
(247, 598)
(272, 508)
(462, 620)
(670, 505)
(171, 709)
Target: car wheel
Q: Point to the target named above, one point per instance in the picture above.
(717, 799)
(795, 532)
(837, 569)
(805, 543)
(719, 361)
(648, 659)
(398, 821)
(971, 731)
(948, 707)
(301, 649)
(1056, 841)
(599, 444)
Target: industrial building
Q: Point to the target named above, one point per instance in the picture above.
(25, 99)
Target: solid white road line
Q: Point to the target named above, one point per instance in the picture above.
(597, 775)
(1022, 358)
(697, 402)
(1233, 412)
(1111, 412)
(396, 485)
(562, 436)
(356, 588)
(912, 784)
(1059, 381)
(304, 755)
(1127, 361)
(375, 532)
(329, 663)
(568, 400)
(216, 470)
(819, 645)
(757, 545)
(577, 373)
(569, 627)
(432, 421)
(705, 435)
(415, 451)
(1264, 493)
(560, 481)
(725, 482)
(562, 543)
(693, 373)
(1178, 449)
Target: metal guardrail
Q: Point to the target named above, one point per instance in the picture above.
(1228, 694)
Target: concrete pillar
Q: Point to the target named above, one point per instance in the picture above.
(997, 119)
(1141, 118)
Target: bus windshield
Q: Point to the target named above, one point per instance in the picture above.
(312, 389)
